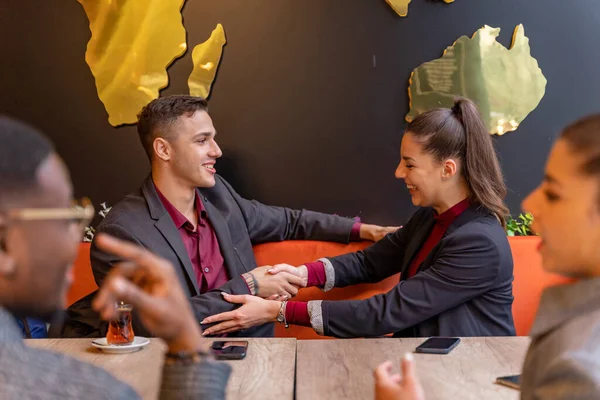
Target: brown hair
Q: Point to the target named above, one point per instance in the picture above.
(461, 133)
(157, 117)
(583, 137)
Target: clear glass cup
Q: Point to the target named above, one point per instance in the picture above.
(120, 330)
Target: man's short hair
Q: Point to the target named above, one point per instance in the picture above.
(22, 150)
(157, 118)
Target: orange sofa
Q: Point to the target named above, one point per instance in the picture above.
(529, 281)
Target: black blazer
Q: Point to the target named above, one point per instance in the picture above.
(238, 223)
(463, 287)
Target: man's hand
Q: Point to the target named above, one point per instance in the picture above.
(150, 285)
(285, 283)
(254, 311)
(389, 386)
(301, 271)
(374, 233)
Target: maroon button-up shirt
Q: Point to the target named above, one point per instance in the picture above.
(201, 244)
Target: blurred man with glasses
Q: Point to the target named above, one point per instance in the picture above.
(40, 232)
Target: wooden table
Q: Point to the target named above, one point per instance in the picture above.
(267, 372)
(343, 369)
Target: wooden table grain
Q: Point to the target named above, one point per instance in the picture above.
(343, 369)
(267, 372)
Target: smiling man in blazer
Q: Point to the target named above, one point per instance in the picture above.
(189, 215)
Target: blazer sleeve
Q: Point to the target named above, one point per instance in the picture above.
(573, 376)
(274, 224)
(378, 261)
(203, 305)
(464, 269)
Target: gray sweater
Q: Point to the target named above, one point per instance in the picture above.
(27, 373)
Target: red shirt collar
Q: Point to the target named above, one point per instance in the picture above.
(448, 216)
(178, 218)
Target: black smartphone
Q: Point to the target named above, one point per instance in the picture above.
(512, 381)
(230, 349)
(438, 345)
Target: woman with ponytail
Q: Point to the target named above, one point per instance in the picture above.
(455, 261)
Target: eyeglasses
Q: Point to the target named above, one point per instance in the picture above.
(81, 213)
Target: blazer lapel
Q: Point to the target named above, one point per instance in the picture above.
(415, 245)
(223, 237)
(167, 228)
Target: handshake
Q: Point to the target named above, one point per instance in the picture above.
(278, 282)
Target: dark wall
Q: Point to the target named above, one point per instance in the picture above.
(304, 117)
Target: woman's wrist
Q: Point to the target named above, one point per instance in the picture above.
(273, 312)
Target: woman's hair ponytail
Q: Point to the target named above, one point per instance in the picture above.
(460, 132)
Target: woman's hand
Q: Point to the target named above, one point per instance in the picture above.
(254, 311)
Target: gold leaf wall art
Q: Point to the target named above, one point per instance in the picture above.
(401, 6)
(506, 84)
(206, 57)
(132, 44)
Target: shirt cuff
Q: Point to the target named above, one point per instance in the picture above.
(355, 232)
(315, 312)
(316, 274)
(251, 283)
(296, 313)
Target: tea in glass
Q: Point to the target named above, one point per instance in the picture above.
(120, 331)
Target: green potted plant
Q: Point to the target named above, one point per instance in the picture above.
(90, 230)
(520, 226)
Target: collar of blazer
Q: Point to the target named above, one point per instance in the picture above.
(167, 228)
(425, 224)
(165, 225)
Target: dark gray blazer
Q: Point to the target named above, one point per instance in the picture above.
(463, 287)
(238, 223)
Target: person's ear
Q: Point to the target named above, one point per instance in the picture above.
(7, 263)
(449, 169)
(162, 149)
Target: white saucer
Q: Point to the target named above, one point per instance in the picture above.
(138, 343)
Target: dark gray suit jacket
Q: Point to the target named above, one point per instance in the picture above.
(463, 287)
(238, 223)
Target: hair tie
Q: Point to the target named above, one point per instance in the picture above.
(456, 111)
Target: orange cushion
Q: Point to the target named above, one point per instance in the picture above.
(530, 281)
(83, 283)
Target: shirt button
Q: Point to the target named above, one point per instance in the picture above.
(206, 270)
(235, 248)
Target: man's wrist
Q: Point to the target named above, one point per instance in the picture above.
(190, 340)
(251, 282)
(355, 232)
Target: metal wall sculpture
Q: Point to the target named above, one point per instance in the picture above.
(133, 43)
(401, 6)
(506, 84)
